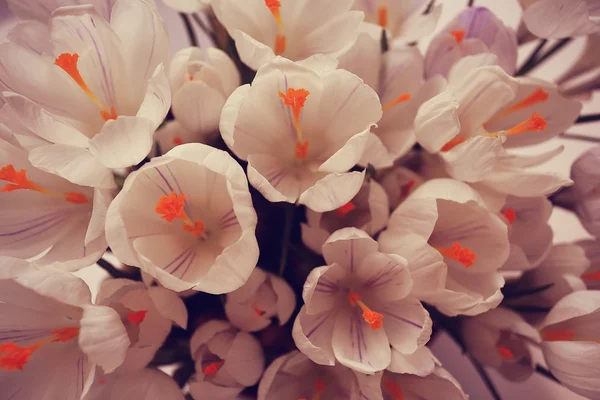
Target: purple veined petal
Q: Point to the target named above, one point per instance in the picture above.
(179, 260)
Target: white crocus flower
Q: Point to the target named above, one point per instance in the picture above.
(368, 211)
(47, 217)
(555, 19)
(439, 385)
(186, 218)
(227, 361)
(406, 21)
(397, 77)
(201, 81)
(358, 309)
(571, 342)
(501, 338)
(146, 313)
(98, 98)
(484, 110)
(145, 384)
(294, 29)
(263, 297)
(52, 337)
(453, 244)
(301, 127)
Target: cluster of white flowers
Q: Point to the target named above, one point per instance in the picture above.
(313, 167)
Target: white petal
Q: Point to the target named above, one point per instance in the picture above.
(313, 334)
(169, 305)
(332, 191)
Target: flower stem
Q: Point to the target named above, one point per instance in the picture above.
(543, 371)
(486, 379)
(537, 62)
(190, 30)
(532, 57)
(287, 233)
(583, 119)
(112, 270)
(536, 290)
(471, 3)
(576, 136)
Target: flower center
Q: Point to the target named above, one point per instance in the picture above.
(280, 39)
(20, 181)
(374, 319)
(14, 357)
(318, 389)
(383, 14)
(137, 317)
(505, 352)
(510, 215)
(68, 62)
(212, 368)
(172, 207)
(557, 335)
(393, 389)
(458, 253)
(592, 276)
(404, 97)
(295, 99)
(458, 35)
(345, 209)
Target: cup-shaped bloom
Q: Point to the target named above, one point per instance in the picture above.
(294, 29)
(368, 211)
(186, 218)
(94, 102)
(399, 183)
(295, 376)
(301, 127)
(475, 30)
(359, 306)
(397, 77)
(453, 244)
(263, 297)
(201, 80)
(145, 384)
(48, 324)
(484, 110)
(406, 21)
(227, 361)
(571, 342)
(500, 338)
(529, 234)
(555, 19)
(586, 175)
(438, 385)
(47, 217)
(146, 313)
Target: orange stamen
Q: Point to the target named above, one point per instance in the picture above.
(393, 389)
(374, 319)
(259, 312)
(510, 215)
(68, 62)
(137, 317)
(197, 229)
(212, 368)
(295, 99)
(404, 97)
(535, 123)
(280, 40)
(280, 44)
(408, 187)
(20, 181)
(172, 207)
(458, 35)
(538, 96)
(592, 276)
(453, 143)
(345, 209)
(177, 141)
(461, 254)
(64, 335)
(557, 336)
(382, 16)
(505, 352)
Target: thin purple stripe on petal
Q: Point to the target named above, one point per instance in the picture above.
(324, 318)
(399, 318)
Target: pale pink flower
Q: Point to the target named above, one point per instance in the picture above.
(439, 385)
(145, 384)
(555, 19)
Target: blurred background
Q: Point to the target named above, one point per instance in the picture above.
(565, 225)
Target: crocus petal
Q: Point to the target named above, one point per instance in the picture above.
(332, 191)
(146, 384)
(558, 19)
(421, 363)
(312, 335)
(407, 325)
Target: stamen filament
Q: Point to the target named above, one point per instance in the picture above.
(374, 319)
(404, 97)
(538, 96)
(458, 253)
(453, 143)
(405, 191)
(382, 15)
(280, 39)
(137, 317)
(393, 389)
(172, 207)
(295, 99)
(505, 352)
(558, 335)
(592, 276)
(345, 209)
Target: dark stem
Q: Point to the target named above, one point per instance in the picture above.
(486, 379)
(429, 7)
(287, 233)
(190, 30)
(471, 3)
(587, 118)
(532, 57)
(554, 49)
(204, 27)
(543, 371)
(530, 309)
(112, 270)
(385, 46)
(516, 295)
(576, 136)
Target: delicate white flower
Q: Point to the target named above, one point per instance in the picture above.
(47, 217)
(453, 244)
(52, 337)
(227, 361)
(295, 376)
(500, 338)
(484, 110)
(358, 307)
(262, 297)
(585, 173)
(555, 19)
(368, 211)
(529, 234)
(188, 6)
(146, 313)
(475, 30)
(399, 183)
(201, 81)
(301, 127)
(439, 385)
(98, 99)
(294, 29)
(397, 77)
(145, 384)
(186, 218)
(406, 21)
(570, 342)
